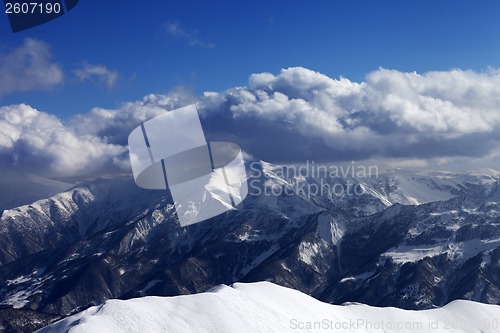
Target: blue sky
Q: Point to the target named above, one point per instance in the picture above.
(155, 46)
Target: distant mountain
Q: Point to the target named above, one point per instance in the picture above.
(266, 307)
(414, 240)
(21, 189)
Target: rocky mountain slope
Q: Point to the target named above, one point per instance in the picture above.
(413, 240)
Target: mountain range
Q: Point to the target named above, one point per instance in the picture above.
(406, 239)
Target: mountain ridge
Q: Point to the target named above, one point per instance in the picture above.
(109, 239)
(265, 307)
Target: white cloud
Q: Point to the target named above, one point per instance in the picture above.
(297, 115)
(115, 125)
(99, 72)
(28, 67)
(88, 145)
(39, 142)
(301, 114)
(174, 29)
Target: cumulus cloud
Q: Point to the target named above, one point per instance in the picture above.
(28, 67)
(37, 142)
(98, 72)
(88, 145)
(301, 114)
(294, 116)
(114, 125)
(176, 30)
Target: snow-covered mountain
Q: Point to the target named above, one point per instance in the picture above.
(266, 307)
(110, 239)
(21, 189)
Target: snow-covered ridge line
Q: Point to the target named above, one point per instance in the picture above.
(266, 307)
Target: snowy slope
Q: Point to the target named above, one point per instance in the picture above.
(373, 192)
(414, 188)
(266, 307)
(17, 189)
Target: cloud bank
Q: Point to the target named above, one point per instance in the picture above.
(301, 114)
(37, 142)
(294, 116)
(89, 145)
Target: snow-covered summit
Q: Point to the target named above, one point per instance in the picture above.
(266, 307)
